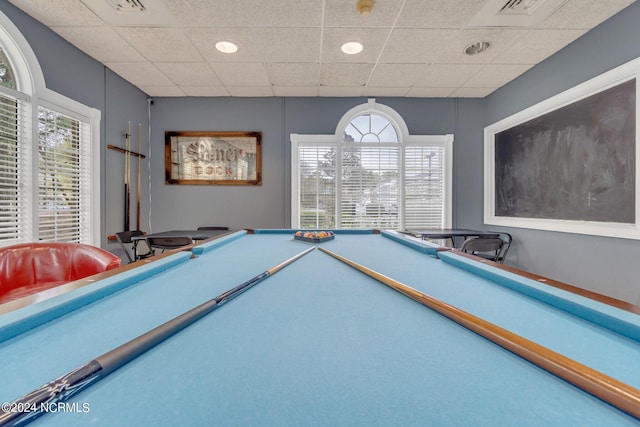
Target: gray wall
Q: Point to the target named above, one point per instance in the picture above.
(267, 206)
(75, 75)
(606, 265)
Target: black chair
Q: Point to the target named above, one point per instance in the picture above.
(164, 243)
(488, 248)
(506, 244)
(125, 238)
(213, 228)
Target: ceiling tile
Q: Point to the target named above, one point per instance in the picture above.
(206, 13)
(288, 44)
(248, 91)
(438, 13)
(373, 40)
(537, 45)
(59, 12)
(496, 75)
(500, 39)
(240, 74)
(295, 91)
(162, 90)
(385, 91)
(161, 44)
(189, 73)
(282, 13)
(584, 14)
(101, 43)
(342, 13)
(205, 39)
(445, 75)
(472, 92)
(417, 46)
(345, 74)
(292, 47)
(294, 74)
(205, 90)
(340, 91)
(394, 75)
(430, 92)
(139, 73)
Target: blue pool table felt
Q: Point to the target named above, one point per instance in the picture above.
(320, 344)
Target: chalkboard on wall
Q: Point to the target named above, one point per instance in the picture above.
(574, 163)
(568, 163)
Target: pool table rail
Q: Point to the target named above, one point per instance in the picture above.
(608, 389)
(614, 315)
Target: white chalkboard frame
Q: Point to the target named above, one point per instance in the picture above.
(610, 79)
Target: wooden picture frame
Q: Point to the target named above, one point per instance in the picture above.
(569, 163)
(213, 158)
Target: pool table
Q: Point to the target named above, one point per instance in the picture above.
(319, 343)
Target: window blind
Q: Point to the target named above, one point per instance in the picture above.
(424, 187)
(63, 177)
(369, 187)
(371, 174)
(317, 186)
(15, 197)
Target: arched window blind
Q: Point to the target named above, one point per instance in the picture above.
(371, 174)
(49, 154)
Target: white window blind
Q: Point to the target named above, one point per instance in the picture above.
(63, 177)
(49, 157)
(317, 183)
(371, 174)
(424, 181)
(369, 186)
(14, 160)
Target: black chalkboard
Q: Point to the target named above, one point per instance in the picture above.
(574, 163)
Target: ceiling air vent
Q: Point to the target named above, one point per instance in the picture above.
(515, 13)
(131, 13)
(520, 7)
(127, 5)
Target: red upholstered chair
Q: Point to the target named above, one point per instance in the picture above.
(33, 267)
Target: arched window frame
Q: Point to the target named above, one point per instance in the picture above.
(405, 141)
(32, 93)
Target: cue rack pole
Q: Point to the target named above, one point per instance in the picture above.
(76, 380)
(616, 393)
(139, 150)
(127, 177)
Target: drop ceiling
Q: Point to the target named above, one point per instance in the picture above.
(412, 48)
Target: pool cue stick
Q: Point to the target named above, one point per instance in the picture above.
(139, 152)
(71, 383)
(127, 177)
(614, 392)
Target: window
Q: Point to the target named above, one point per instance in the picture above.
(49, 157)
(371, 174)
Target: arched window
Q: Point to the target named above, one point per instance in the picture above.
(371, 174)
(49, 154)
(6, 72)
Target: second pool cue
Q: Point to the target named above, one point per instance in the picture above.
(616, 393)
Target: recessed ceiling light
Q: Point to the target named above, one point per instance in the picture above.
(227, 47)
(352, 48)
(477, 48)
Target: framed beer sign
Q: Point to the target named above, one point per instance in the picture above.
(213, 158)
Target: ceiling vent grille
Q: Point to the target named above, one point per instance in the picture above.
(127, 5)
(520, 7)
(131, 13)
(514, 13)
